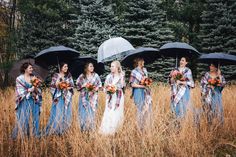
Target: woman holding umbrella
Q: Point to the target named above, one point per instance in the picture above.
(62, 91)
(181, 81)
(212, 84)
(141, 92)
(88, 83)
(28, 101)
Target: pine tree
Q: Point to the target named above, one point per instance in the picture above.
(144, 24)
(95, 24)
(45, 23)
(217, 32)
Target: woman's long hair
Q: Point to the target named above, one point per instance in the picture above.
(86, 66)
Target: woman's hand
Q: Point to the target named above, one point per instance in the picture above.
(178, 82)
(31, 89)
(138, 86)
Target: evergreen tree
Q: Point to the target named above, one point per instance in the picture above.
(44, 23)
(143, 23)
(95, 24)
(217, 32)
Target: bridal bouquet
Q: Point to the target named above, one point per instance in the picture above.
(146, 81)
(36, 82)
(90, 87)
(111, 89)
(177, 75)
(63, 85)
(214, 82)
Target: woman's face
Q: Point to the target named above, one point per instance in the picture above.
(141, 63)
(213, 68)
(183, 62)
(113, 68)
(64, 68)
(90, 68)
(29, 70)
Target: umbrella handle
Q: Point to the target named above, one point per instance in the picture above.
(176, 60)
(58, 64)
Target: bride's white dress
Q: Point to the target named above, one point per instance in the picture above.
(113, 117)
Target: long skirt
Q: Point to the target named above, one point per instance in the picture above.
(182, 106)
(143, 114)
(86, 116)
(25, 108)
(113, 117)
(215, 108)
(60, 118)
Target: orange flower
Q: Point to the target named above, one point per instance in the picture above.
(90, 87)
(36, 82)
(111, 89)
(64, 85)
(146, 82)
(214, 82)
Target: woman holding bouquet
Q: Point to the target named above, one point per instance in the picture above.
(114, 110)
(181, 82)
(212, 85)
(141, 93)
(88, 84)
(28, 101)
(62, 91)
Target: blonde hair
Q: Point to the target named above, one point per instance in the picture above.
(118, 65)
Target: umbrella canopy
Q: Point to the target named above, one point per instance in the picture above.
(148, 54)
(178, 49)
(220, 58)
(114, 48)
(54, 55)
(77, 67)
(38, 71)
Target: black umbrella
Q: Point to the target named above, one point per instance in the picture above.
(54, 55)
(148, 54)
(77, 66)
(38, 71)
(178, 49)
(220, 58)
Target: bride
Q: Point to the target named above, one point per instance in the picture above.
(114, 110)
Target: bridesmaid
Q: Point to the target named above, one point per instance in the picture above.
(180, 89)
(212, 84)
(88, 84)
(114, 111)
(141, 94)
(28, 101)
(62, 91)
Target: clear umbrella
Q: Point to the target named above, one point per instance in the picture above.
(113, 49)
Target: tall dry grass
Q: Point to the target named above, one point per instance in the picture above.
(163, 139)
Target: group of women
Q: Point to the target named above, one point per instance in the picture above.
(29, 97)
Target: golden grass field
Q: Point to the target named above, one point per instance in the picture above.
(163, 139)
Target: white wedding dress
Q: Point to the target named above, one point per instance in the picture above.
(112, 118)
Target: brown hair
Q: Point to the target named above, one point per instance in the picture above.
(67, 74)
(24, 66)
(86, 68)
(136, 60)
(186, 59)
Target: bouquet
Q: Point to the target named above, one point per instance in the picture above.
(177, 75)
(36, 82)
(146, 82)
(214, 82)
(111, 89)
(90, 87)
(63, 85)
